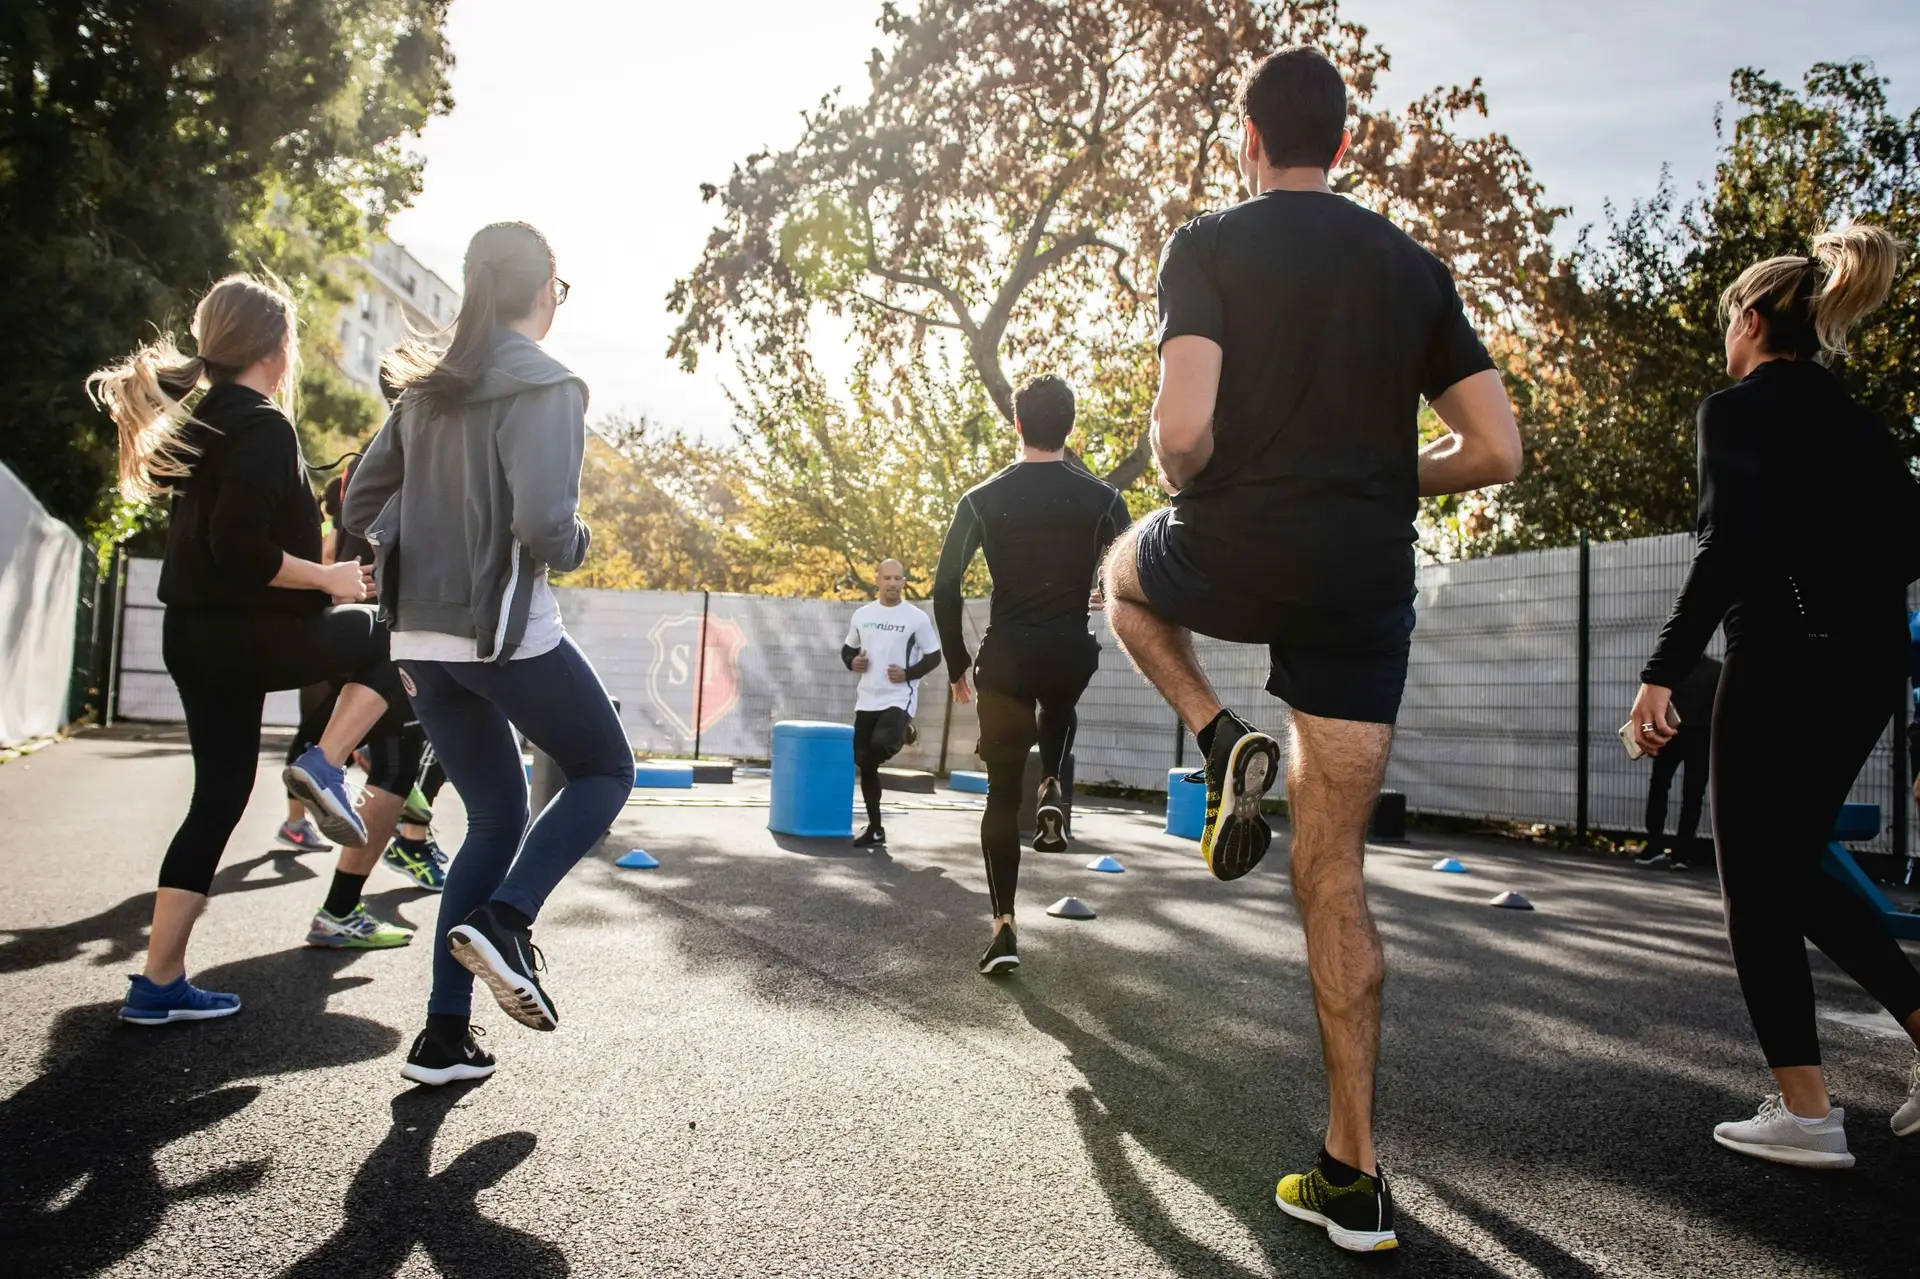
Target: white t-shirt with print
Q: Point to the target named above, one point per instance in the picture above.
(897, 636)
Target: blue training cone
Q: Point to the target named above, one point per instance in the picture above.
(1450, 866)
(638, 859)
(1106, 865)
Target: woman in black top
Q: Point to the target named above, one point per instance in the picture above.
(249, 607)
(1803, 503)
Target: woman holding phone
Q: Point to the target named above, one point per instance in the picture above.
(1815, 619)
(470, 495)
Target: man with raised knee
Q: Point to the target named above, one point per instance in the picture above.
(1299, 333)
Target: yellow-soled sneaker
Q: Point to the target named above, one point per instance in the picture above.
(1358, 1217)
(1241, 768)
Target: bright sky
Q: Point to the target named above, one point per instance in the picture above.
(598, 119)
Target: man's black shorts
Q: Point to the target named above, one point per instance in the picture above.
(1022, 670)
(1337, 665)
(880, 735)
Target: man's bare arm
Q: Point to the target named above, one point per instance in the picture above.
(1482, 447)
(1182, 432)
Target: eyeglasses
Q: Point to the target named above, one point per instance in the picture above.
(560, 290)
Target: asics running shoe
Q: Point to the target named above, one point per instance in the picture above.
(323, 789)
(416, 811)
(359, 930)
(302, 836)
(1241, 768)
(437, 1059)
(505, 958)
(1357, 1217)
(1051, 818)
(179, 1000)
(1906, 1120)
(421, 862)
(1002, 955)
(1776, 1133)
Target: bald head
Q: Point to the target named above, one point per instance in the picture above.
(891, 577)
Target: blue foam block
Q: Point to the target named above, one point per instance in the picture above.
(813, 779)
(1106, 865)
(638, 859)
(1856, 823)
(966, 780)
(1186, 804)
(667, 775)
(1450, 866)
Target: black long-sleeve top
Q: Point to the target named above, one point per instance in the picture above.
(246, 502)
(1044, 527)
(1808, 522)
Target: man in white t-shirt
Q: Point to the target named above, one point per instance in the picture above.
(890, 645)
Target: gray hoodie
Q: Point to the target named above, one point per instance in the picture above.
(465, 510)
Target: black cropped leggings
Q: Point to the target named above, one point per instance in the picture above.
(224, 665)
(1777, 787)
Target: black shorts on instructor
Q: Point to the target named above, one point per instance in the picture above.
(1333, 325)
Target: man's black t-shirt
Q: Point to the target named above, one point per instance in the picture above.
(1044, 527)
(1333, 324)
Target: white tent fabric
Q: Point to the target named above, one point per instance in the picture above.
(40, 561)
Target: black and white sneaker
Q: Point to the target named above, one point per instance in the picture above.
(1654, 859)
(872, 837)
(506, 959)
(437, 1059)
(1051, 817)
(1003, 955)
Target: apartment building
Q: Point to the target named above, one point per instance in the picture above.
(394, 295)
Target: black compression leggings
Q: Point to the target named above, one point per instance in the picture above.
(1776, 793)
(1008, 727)
(224, 666)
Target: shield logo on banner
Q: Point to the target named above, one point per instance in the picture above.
(678, 666)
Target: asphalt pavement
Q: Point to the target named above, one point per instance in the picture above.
(775, 1058)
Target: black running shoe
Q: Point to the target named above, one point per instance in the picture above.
(1357, 1217)
(1241, 768)
(1051, 818)
(1653, 860)
(871, 837)
(1003, 955)
(438, 1059)
(508, 962)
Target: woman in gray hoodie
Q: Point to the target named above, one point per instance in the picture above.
(470, 495)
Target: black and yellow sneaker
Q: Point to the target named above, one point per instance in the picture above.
(1357, 1216)
(1242, 767)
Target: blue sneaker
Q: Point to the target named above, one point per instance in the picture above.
(421, 862)
(323, 789)
(180, 1000)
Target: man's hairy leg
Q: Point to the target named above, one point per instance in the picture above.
(1159, 650)
(1333, 778)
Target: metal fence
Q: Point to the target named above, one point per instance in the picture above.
(1491, 727)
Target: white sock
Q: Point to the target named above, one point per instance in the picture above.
(1808, 1123)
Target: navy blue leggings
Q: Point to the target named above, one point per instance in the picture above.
(470, 711)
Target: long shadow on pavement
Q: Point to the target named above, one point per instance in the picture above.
(80, 1183)
(397, 1202)
(124, 927)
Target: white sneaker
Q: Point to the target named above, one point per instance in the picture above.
(1906, 1120)
(1777, 1134)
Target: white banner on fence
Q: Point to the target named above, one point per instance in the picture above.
(39, 599)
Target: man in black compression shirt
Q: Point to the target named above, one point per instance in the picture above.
(1298, 334)
(1044, 523)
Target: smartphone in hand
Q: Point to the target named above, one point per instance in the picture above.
(1633, 747)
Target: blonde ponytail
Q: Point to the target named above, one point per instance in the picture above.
(239, 322)
(1810, 304)
(1860, 263)
(143, 394)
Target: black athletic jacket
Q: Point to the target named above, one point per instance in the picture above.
(1045, 527)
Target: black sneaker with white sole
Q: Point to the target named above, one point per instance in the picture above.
(505, 958)
(1051, 818)
(871, 837)
(1003, 955)
(439, 1059)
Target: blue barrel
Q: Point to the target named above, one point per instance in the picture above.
(1186, 804)
(813, 779)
